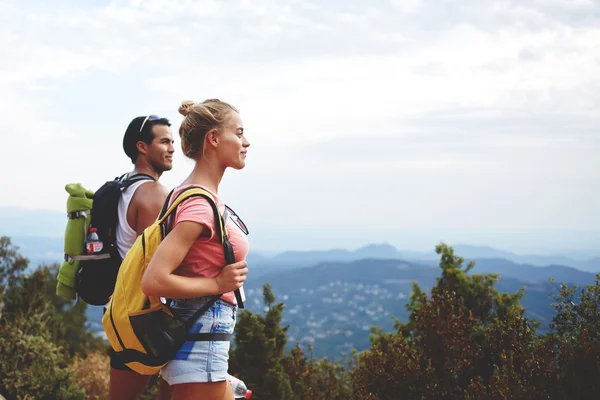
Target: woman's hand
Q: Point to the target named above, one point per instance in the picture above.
(232, 277)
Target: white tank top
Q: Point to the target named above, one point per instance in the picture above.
(126, 235)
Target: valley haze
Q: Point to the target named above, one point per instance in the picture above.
(538, 247)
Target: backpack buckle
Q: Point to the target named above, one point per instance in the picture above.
(77, 214)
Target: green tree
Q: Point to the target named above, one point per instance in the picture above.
(12, 265)
(575, 337)
(259, 359)
(33, 365)
(476, 292)
(32, 304)
(257, 356)
(316, 379)
(456, 342)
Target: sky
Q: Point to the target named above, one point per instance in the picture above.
(403, 121)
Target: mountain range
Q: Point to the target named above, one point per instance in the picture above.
(39, 233)
(387, 251)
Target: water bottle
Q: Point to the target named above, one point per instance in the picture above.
(240, 391)
(93, 243)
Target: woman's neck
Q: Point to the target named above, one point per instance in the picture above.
(206, 174)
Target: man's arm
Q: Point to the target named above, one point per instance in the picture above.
(146, 205)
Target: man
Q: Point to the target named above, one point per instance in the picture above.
(148, 142)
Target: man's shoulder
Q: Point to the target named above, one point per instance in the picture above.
(150, 190)
(146, 203)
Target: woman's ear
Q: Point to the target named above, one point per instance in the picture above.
(212, 137)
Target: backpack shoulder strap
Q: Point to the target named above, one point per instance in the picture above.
(135, 178)
(194, 191)
(120, 178)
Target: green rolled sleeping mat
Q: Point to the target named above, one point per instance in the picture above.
(79, 206)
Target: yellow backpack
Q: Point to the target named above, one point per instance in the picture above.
(142, 330)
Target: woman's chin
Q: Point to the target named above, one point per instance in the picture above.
(239, 165)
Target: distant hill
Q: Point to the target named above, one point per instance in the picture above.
(592, 265)
(528, 273)
(298, 258)
(33, 228)
(478, 252)
(387, 251)
(49, 249)
(40, 249)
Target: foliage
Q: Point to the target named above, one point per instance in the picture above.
(31, 300)
(475, 292)
(259, 348)
(467, 340)
(575, 337)
(12, 265)
(92, 374)
(259, 360)
(32, 367)
(40, 334)
(316, 379)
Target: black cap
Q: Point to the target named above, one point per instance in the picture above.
(132, 136)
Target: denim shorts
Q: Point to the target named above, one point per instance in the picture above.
(202, 361)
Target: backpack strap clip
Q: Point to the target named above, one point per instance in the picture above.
(78, 214)
(72, 259)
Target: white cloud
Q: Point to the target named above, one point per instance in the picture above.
(498, 97)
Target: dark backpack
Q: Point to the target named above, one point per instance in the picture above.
(97, 273)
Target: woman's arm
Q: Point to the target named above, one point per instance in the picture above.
(159, 279)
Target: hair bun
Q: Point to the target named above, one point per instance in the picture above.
(186, 107)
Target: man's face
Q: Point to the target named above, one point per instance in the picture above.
(160, 151)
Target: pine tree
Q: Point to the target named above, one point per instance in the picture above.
(12, 265)
(575, 338)
(259, 348)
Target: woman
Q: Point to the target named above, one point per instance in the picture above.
(213, 136)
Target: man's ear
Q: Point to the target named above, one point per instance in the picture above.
(142, 147)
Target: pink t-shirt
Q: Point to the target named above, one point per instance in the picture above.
(206, 257)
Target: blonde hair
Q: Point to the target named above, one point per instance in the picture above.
(199, 119)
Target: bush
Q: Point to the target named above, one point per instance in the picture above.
(31, 368)
(92, 374)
